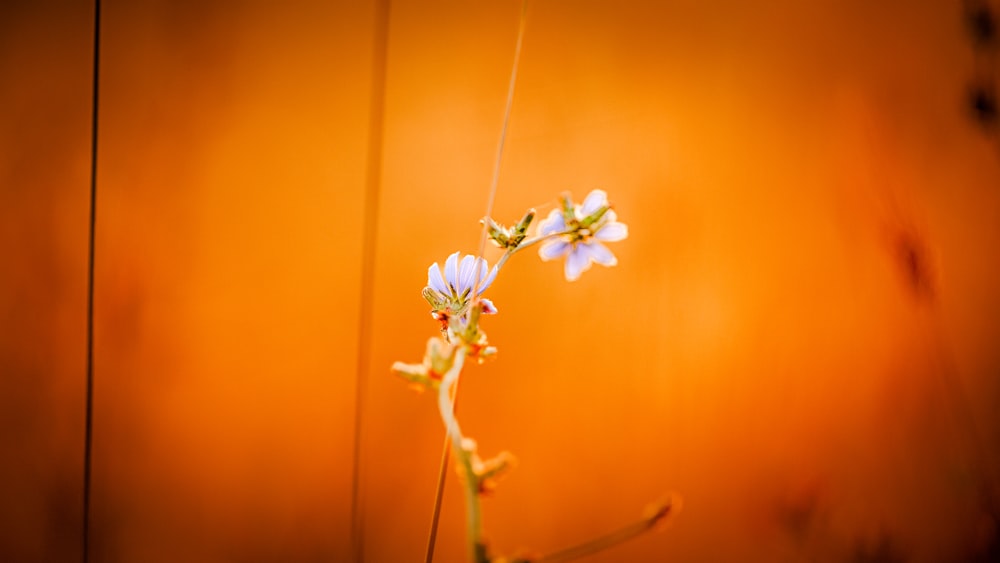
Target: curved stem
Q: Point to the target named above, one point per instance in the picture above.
(447, 408)
(610, 540)
(526, 244)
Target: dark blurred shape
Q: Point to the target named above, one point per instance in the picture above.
(881, 550)
(915, 264)
(983, 104)
(798, 511)
(986, 547)
(981, 24)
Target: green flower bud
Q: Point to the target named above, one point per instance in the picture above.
(520, 230)
(497, 233)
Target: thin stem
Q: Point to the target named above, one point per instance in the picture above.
(610, 540)
(88, 437)
(506, 122)
(438, 495)
(369, 236)
(439, 491)
(525, 244)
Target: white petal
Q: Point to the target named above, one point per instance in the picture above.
(477, 275)
(489, 279)
(465, 273)
(451, 270)
(552, 249)
(435, 281)
(481, 270)
(552, 224)
(611, 232)
(577, 262)
(595, 200)
(600, 254)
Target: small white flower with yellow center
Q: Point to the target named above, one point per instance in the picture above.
(451, 294)
(582, 230)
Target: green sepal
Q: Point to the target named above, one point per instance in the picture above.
(497, 233)
(569, 214)
(520, 230)
(433, 298)
(594, 217)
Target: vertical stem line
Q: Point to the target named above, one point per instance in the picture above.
(368, 247)
(491, 199)
(89, 407)
(442, 473)
(438, 496)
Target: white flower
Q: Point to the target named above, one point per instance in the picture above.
(584, 228)
(450, 294)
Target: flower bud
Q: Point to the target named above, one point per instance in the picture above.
(497, 233)
(520, 230)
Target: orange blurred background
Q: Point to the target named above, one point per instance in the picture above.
(800, 337)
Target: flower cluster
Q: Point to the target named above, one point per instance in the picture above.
(576, 232)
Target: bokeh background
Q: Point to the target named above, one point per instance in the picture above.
(800, 338)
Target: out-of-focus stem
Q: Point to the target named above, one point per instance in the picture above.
(473, 514)
(438, 494)
(446, 407)
(610, 540)
(439, 491)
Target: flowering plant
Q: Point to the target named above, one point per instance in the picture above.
(576, 232)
